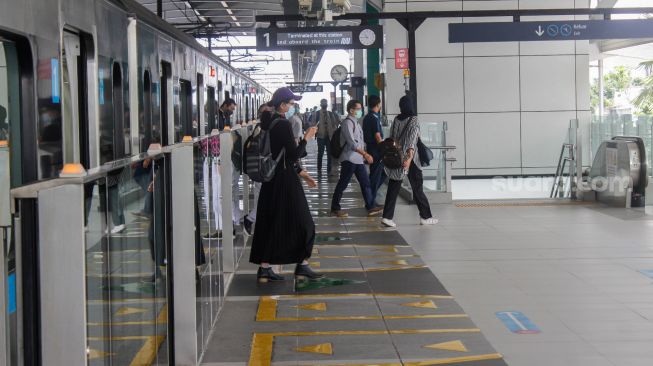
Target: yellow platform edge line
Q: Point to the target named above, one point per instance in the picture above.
(446, 361)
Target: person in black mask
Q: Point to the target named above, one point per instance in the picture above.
(225, 112)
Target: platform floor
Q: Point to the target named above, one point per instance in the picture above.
(379, 305)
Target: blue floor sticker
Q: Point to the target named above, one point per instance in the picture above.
(647, 272)
(517, 322)
(11, 292)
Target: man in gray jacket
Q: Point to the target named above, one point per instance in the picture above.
(327, 123)
(352, 161)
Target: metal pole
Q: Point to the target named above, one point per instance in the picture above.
(159, 8)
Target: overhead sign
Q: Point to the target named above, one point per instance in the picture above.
(319, 38)
(401, 58)
(550, 31)
(307, 88)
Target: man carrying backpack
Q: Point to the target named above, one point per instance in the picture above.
(352, 161)
(327, 123)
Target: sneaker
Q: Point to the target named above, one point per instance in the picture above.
(248, 225)
(429, 221)
(375, 211)
(388, 223)
(304, 271)
(339, 213)
(265, 275)
(118, 229)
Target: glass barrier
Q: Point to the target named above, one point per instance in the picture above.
(606, 127)
(238, 135)
(208, 236)
(126, 261)
(433, 135)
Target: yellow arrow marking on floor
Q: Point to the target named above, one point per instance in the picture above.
(322, 348)
(400, 262)
(130, 311)
(428, 304)
(314, 264)
(457, 346)
(318, 306)
(94, 354)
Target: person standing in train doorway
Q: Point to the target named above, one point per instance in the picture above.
(404, 133)
(284, 231)
(225, 112)
(352, 161)
(327, 123)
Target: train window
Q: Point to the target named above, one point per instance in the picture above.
(210, 109)
(165, 88)
(120, 129)
(199, 123)
(185, 112)
(145, 122)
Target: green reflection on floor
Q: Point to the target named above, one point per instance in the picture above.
(322, 239)
(324, 282)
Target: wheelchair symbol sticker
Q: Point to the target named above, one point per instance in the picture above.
(552, 30)
(566, 30)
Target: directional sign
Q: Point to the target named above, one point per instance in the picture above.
(307, 88)
(517, 322)
(401, 58)
(319, 38)
(550, 31)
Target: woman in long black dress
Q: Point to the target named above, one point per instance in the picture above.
(284, 231)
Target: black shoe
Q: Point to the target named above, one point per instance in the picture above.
(247, 225)
(265, 275)
(304, 271)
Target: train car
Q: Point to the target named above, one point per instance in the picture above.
(92, 82)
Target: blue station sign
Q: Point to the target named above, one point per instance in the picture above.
(572, 30)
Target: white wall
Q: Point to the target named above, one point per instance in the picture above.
(508, 105)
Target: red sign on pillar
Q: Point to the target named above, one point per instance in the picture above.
(401, 58)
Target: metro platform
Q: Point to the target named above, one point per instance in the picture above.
(379, 304)
(431, 295)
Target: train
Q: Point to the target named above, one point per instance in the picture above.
(96, 81)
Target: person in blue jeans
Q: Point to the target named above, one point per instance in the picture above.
(327, 123)
(352, 161)
(373, 134)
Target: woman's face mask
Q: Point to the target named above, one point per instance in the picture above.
(290, 113)
(359, 113)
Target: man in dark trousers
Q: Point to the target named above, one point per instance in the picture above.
(373, 134)
(327, 122)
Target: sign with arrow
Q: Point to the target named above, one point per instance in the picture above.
(572, 30)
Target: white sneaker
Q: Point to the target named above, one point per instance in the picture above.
(429, 221)
(118, 229)
(388, 223)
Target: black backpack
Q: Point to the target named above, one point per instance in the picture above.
(392, 156)
(336, 144)
(259, 163)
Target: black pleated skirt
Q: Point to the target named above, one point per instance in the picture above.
(284, 231)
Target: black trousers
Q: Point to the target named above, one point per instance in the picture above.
(416, 180)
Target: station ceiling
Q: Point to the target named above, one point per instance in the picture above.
(236, 18)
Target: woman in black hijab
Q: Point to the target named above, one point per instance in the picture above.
(284, 231)
(405, 132)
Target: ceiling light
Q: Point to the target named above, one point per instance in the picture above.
(202, 18)
(196, 11)
(224, 3)
(234, 18)
(237, 24)
(244, 33)
(230, 12)
(187, 4)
